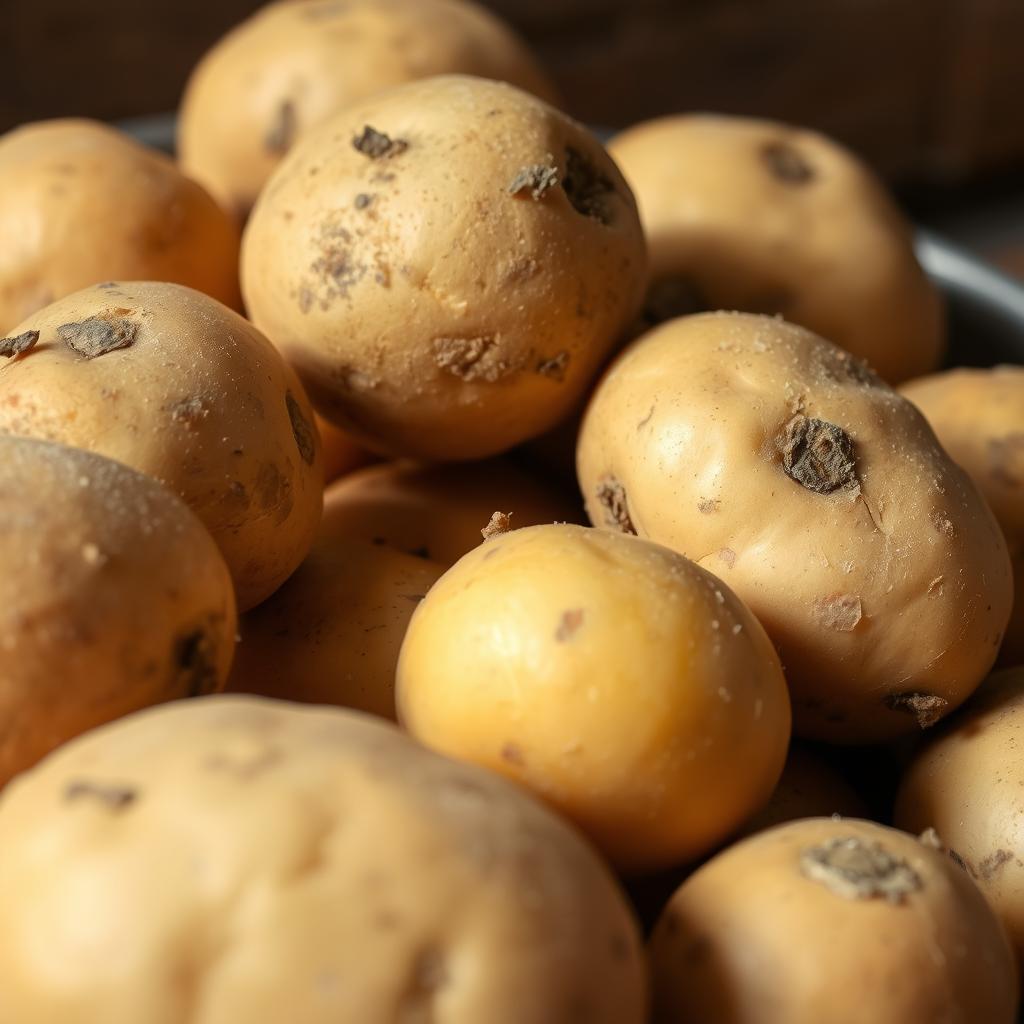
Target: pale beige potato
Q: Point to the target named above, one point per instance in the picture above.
(446, 265)
(752, 215)
(886, 591)
(840, 921)
(978, 415)
(624, 685)
(291, 65)
(112, 597)
(81, 202)
(243, 860)
(172, 383)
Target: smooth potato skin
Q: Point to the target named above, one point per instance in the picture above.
(253, 874)
(748, 939)
(898, 586)
(80, 203)
(112, 597)
(200, 400)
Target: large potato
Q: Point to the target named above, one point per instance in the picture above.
(626, 686)
(235, 860)
(767, 218)
(292, 65)
(172, 383)
(81, 202)
(822, 498)
(446, 264)
(978, 415)
(839, 921)
(112, 597)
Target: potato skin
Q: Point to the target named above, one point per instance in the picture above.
(617, 680)
(292, 65)
(243, 854)
(341, 454)
(81, 202)
(978, 416)
(764, 217)
(887, 597)
(751, 939)
(112, 597)
(433, 307)
(195, 397)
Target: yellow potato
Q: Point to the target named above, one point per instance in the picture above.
(787, 468)
(627, 687)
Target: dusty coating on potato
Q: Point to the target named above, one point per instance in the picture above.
(489, 909)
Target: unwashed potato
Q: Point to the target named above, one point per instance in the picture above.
(341, 454)
(240, 860)
(768, 218)
(112, 597)
(446, 264)
(292, 65)
(839, 921)
(822, 498)
(174, 384)
(620, 682)
(81, 202)
(978, 415)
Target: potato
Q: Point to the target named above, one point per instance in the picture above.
(291, 66)
(340, 453)
(446, 264)
(81, 202)
(172, 383)
(627, 687)
(824, 920)
(768, 218)
(112, 597)
(438, 512)
(978, 415)
(236, 859)
(784, 466)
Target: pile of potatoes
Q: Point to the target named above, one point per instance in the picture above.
(328, 693)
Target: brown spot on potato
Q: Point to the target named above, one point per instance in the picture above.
(942, 523)
(97, 335)
(281, 134)
(428, 975)
(302, 430)
(568, 624)
(376, 145)
(11, 347)
(611, 496)
(586, 187)
(114, 798)
(927, 708)
(935, 587)
(554, 367)
(856, 870)
(993, 864)
(786, 163)
(537, 179)
(499, 523)
(817, 455)
(728, 556)
(272, 490)
(962, 862)
(471, 359)
(513, 754)
(193, 662)
(841, 612)
(362, 201)
(708, 506)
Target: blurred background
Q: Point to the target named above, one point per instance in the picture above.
(930, 91)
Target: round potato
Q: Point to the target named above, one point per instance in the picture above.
(172, 383)
(341, 454)
(767, 218)
(978, 415)
(112, 597)
(446, 264)
(825, 920)
(822, 498)
(624, 685)
(235, 859)
(292, 65)
(81, 202)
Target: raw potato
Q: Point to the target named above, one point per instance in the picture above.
(839, 921)
(341, 454)
(292, 65)
(236, 859)
(446, 265)
(172, 383)
(822, 498)
(629, 688)
(112, 597)
(767, 218)
(978, 415)
(80, 203)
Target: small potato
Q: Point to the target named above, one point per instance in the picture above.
(292, 65)
(112, 597)
(978, 415)
(172, 383)
(787, 468)
(627, 687)
(341, 454)
(233, 860)
(80, 202)
(446, 264)
(840, 921)
(768, 218)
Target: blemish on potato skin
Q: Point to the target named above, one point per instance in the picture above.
(189, 411)
(97, 335)
(587, 189)
(554, 367)
(12, 347)
(927, 708)
(728, 556)
(856, 870)
(611, 496)
(535, 180)
(302, 430)
(568, 624)
(786, 163)
(708, 506)
(428, 976)
(817, 455)
(513, 754)
(376, 145)
(114, 798)
(193, 662)
(993, 864)
(499, 523)
(841, 612)
(281, 133)
(942, 523)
